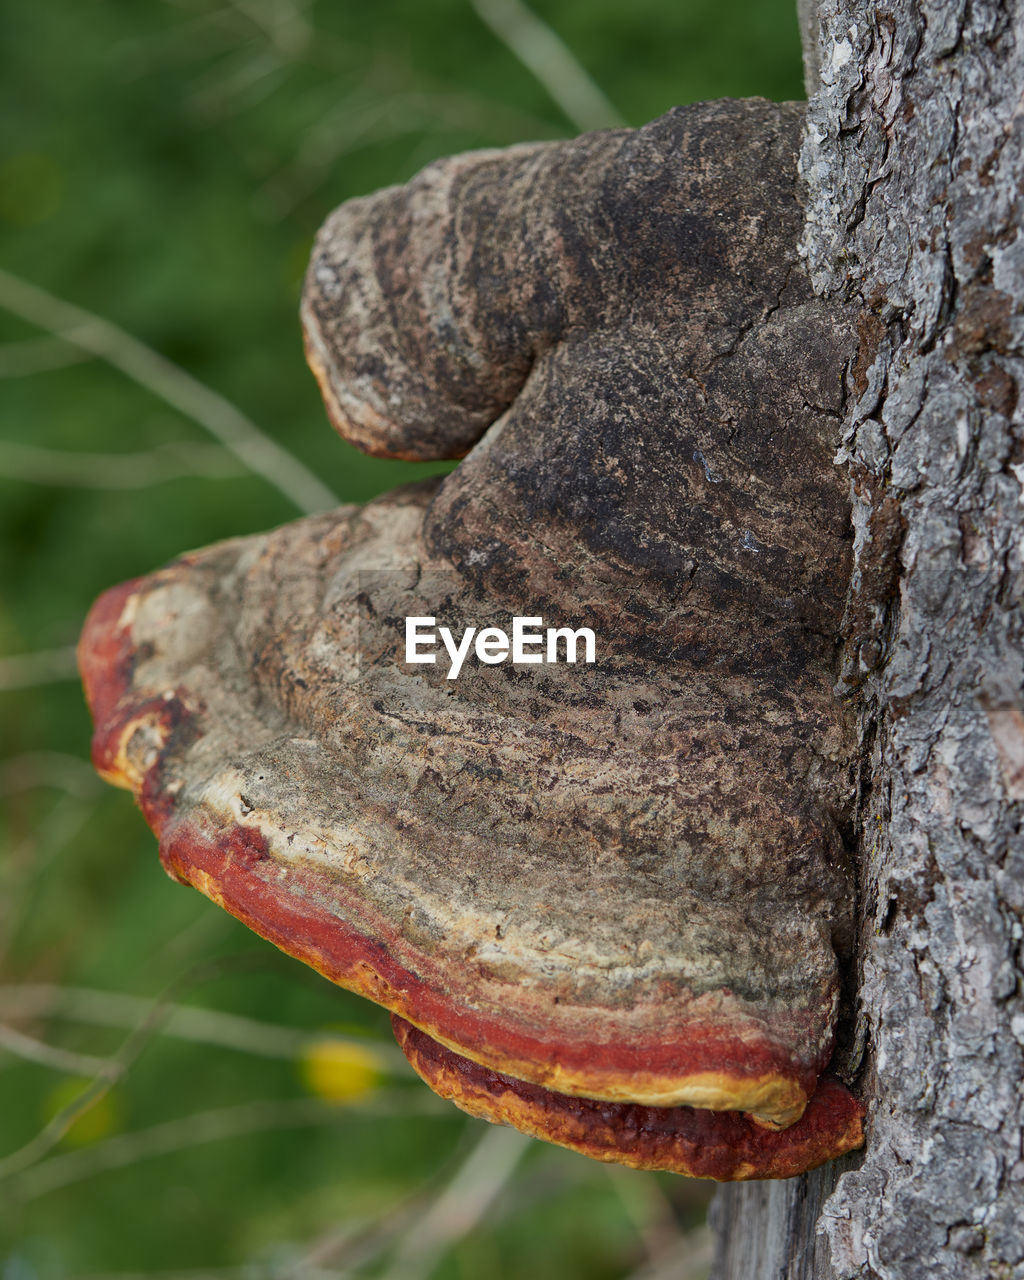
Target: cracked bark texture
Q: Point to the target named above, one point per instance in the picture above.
(913, 160)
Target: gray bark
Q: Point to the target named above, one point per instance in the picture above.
(913, 162)
(810, 39)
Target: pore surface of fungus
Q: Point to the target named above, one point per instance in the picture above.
(606, 901)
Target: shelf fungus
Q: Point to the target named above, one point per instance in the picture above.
(607, 902)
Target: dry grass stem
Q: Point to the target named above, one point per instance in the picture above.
(112, 1069)
(38, 355)
(461, 1206)
(48, 1055)
(22, 866)
(690, 1259)
(364, 118)
(182, 1022)
(552, 62)
(648, 1209)
(36, 465)
(57, 769)
(213, 1126)
(45, 666)
(237, 433)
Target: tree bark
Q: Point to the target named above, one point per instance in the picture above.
(913, 164)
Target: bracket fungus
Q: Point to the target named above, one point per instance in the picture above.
(606, 903)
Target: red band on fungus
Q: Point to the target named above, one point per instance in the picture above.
(723, 1145)
(234, 867)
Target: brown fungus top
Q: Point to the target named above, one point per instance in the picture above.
(616, 885)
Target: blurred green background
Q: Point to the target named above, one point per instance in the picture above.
(164, 165)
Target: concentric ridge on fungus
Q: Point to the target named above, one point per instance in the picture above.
(604, 901)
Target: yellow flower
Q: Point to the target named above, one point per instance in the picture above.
(338, 1070)
(101, 1119)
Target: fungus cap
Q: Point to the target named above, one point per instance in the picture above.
(622, 883)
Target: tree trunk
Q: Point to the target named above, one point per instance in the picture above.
(913, 160)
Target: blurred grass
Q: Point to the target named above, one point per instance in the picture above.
(165, 165)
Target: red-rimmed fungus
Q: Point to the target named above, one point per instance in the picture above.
(606, 902)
